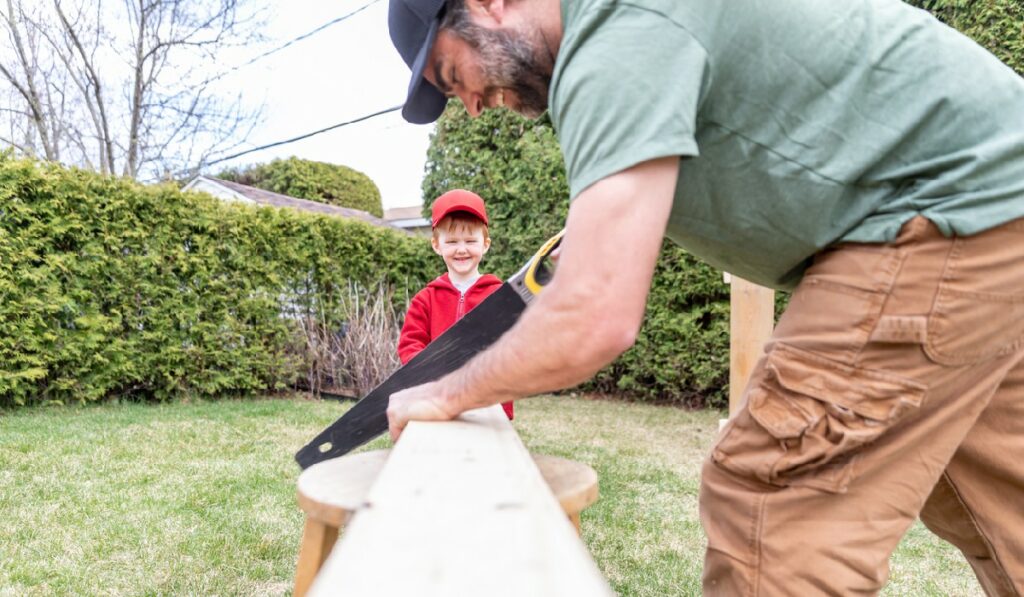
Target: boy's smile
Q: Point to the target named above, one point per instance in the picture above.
(462, 249)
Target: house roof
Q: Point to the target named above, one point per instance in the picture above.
(409, 218)
(404, 213)
(226, 189)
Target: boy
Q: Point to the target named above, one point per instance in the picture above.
(461, 238)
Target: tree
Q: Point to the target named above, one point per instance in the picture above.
(125, 87)
(682, 354)
(514, 164)
(316, 181)
(998, 25)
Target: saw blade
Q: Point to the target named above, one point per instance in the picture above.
(368, 419)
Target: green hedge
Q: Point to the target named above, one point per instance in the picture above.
(998, 25)
(316, 181)
(682, 353)
(109, 288)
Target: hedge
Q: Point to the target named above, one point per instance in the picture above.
(112, 289)
(998, 25)
(316, 181)
(682, 353)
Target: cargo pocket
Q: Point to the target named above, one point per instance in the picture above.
(979, 308)
(807, 417)
(839, 301)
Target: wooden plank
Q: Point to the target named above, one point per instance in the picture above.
(751, 320)
(460, 509)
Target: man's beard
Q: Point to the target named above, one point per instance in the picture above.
(508, 61)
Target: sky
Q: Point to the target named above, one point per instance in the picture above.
(344, 72)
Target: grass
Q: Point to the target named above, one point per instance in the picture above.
(199, 498)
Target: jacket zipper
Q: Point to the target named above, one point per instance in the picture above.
(462, 306)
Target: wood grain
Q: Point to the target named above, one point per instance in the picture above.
(460, 508)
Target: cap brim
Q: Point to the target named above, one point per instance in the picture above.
(424, 103)
(457, 209)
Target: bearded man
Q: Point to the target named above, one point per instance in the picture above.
(859, 153)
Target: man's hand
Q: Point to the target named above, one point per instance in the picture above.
(421, 403)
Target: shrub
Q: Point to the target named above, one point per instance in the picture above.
(998, 25)
(358, 356)
(109, 288)
(317, 181)
(682, 353)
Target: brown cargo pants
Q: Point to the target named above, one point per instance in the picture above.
(892, 388)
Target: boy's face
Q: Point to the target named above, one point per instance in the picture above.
(461, 247)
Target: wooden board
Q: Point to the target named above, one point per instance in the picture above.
(460, 509)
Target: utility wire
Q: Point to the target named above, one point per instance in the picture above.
(310, 34)
(288, 44)
(278, 49)
(305, 136)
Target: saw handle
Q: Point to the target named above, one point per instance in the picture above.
(538, 271)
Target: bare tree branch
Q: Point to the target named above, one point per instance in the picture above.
(119, 85)
(15, 145)
(64, 52)
(97, 88)
(29, 91)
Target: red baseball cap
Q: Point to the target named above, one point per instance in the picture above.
(457, 200)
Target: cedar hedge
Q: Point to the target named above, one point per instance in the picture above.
(112, 289)
(316, 181)
(998, 25)
(682, 353)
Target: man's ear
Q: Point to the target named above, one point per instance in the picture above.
(435, 245)
(487, 12)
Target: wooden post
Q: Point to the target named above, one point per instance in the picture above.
(460, 508)
(751, 320)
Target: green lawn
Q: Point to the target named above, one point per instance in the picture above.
(199, 498)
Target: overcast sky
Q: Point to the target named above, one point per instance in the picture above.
(346, 71)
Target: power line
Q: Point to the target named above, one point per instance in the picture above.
(288, 44)
(278, 49)
(305, 136)
(310, 34)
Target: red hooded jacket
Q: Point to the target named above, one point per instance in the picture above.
(435, 308)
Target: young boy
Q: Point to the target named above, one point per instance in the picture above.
(460, 237)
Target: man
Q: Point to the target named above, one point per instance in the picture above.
(859, 152)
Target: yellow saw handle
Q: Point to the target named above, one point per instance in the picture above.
(537, 272)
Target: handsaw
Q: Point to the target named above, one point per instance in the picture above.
(476, 331)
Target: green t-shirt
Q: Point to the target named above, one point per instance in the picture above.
(802, 122)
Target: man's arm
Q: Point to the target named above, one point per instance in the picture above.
(588, 315)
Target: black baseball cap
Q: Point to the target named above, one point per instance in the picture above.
(413, 25)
